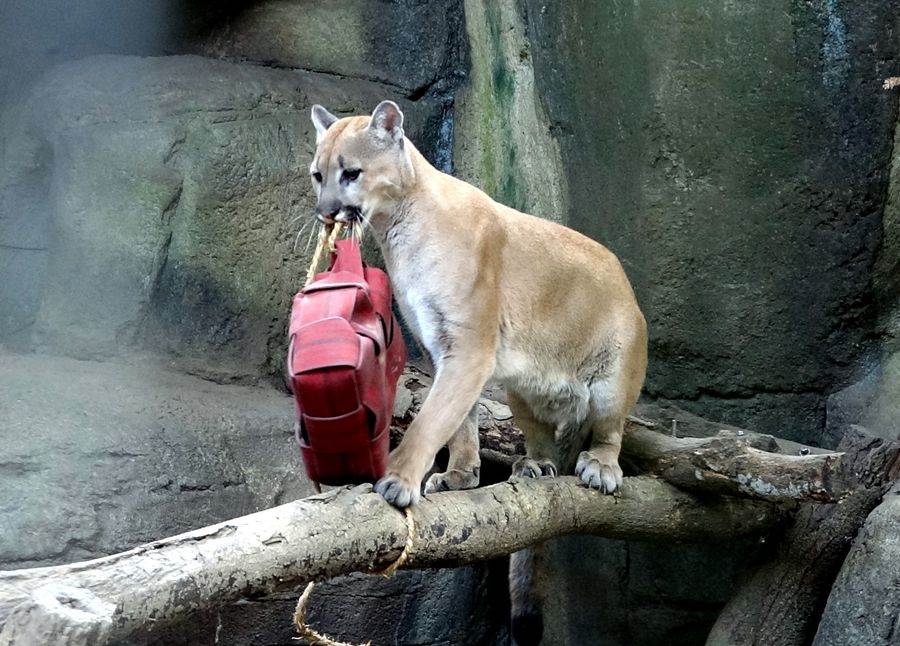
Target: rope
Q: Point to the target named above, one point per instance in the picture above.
(307, 634)
(327, 236)
(388, 572)
(313, 638)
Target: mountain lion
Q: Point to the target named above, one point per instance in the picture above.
(490, 293)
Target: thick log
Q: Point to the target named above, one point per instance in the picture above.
(739, 465)
(115, 598)
(781, 602)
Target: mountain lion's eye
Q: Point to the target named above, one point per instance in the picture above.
(351, 174)
(317, 176)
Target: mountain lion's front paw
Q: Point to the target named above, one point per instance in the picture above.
(598, 472)
(531, 468)
(452, 480)
(397, 490)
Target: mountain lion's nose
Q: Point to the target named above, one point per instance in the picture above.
(326, 212)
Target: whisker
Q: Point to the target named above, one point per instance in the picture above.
(296, 239)
(313, 234)
(307, 224)
(364, 226)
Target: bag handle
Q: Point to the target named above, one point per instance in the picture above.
(347, 257)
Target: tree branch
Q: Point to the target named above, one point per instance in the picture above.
(345, 530)
(737, 465)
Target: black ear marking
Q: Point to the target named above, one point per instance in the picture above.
(322, 120)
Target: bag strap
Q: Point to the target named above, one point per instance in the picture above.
(347, 257)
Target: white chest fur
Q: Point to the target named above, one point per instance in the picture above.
(414, 285)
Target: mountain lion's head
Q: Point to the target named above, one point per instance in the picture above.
(361, 166)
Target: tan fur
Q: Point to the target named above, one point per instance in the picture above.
(491, 293)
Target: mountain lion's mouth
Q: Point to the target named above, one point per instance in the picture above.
(348, 214)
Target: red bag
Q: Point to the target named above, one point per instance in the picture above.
(345, 356)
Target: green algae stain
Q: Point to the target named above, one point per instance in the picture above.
(506, 187)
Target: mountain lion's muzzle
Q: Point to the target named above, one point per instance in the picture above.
(334, 211)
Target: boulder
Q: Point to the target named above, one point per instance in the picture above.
(407, 44)
(99, 457)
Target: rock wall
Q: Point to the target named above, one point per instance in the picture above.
(501, 140)
(872, 400)
(735, 156)
(168, 185)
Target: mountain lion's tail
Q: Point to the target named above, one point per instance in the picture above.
(526, 596)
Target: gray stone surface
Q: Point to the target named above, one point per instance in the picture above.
(454, 607)
(450, 607)
(99, 457)
(167, 186)
(864, 605)
(409, 44)
(873, 399)
(886, 275)
(502, 141)
(872, 402)
(607, 592)
(735, 156)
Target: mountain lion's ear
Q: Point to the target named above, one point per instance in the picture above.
(387, 121)
(322, 120)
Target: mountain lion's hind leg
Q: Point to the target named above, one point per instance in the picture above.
(464, 463)
(540, 448)
(598, 467)
(611, 398)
